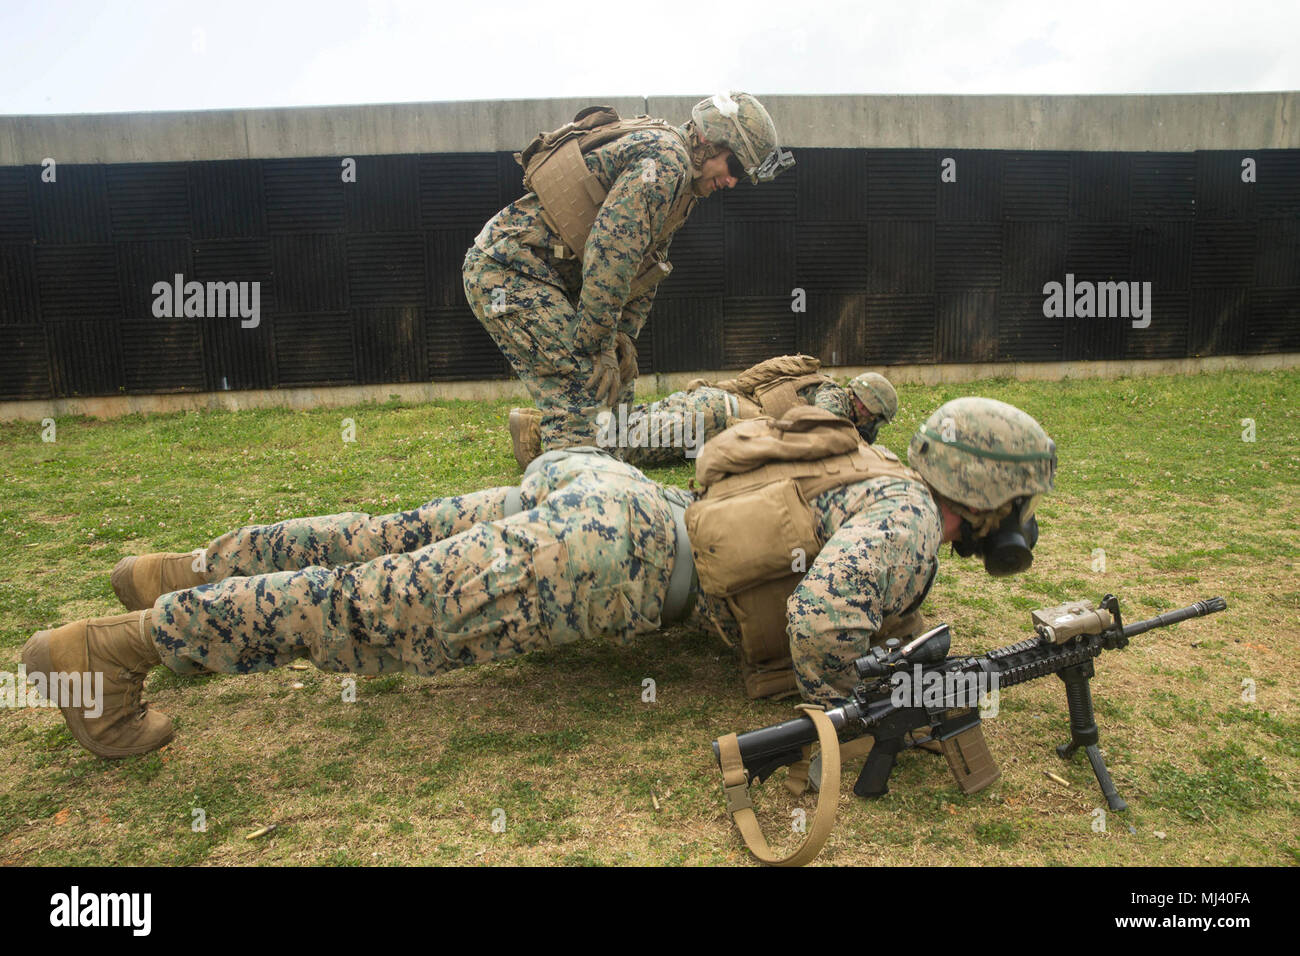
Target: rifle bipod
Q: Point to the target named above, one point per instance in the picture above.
(1083, 729)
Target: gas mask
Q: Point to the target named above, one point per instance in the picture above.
(1009, 547)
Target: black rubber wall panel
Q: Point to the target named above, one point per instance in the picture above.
(857, 256)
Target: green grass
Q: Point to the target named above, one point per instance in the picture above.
(999, 833)
(1230, 783)
(1153, 472)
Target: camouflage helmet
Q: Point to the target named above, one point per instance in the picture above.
(739, 122)
(982, 453)
(875, 392)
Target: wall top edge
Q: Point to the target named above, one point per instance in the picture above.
(1172, 122)
(664, 99)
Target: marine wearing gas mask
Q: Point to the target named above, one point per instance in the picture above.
(977, 467)
(990, 462)
(586, 547)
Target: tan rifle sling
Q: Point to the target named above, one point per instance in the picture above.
(735, 783)
(735, 786)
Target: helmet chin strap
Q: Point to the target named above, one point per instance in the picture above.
(701, 152)
(980, 523)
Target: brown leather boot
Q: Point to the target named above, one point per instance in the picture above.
(121, 649)
(526, 434)
(139, 581)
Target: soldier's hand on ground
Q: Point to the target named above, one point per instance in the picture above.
(625, 349)
(605, 381)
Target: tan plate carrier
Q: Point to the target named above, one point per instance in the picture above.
(772, 386)
(571, 194)
(752, 525)
(750, 522)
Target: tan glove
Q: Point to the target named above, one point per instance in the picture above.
(625, 349)
(604, 380)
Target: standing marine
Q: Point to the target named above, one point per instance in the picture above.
(564, 277)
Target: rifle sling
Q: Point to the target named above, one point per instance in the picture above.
(797, 780)
(735, 783)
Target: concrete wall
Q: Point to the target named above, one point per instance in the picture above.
(113, 406)
(1176, 123)
(1173, 123)
(1154, 123)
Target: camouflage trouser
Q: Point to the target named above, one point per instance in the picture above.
(535, 324)
(670, 431)
(448, 584)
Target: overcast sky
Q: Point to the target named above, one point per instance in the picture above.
(94, 56)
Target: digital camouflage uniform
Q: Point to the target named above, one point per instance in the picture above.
(448, 584)
(675, 415)
(591, 553)
(881, 554)
(883, 536)
(549, 315)
(453, 582)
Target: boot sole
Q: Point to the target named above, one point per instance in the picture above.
(124, 585)
(519, 420)
(38, 660)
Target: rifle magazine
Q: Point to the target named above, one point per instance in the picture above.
(970, 761)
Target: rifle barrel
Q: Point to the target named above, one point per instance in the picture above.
(1199, 609)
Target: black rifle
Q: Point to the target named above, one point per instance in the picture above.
(1067, 639)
